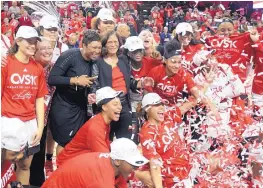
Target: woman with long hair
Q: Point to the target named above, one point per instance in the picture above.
(23, 91)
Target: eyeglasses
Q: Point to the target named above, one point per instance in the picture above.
(52, 29)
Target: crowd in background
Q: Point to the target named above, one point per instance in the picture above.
(183, 81)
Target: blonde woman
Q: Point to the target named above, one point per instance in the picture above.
(149, 45)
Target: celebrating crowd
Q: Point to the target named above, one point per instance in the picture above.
(101, 97)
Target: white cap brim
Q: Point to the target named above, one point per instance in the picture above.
(138, 160)
(111, 97)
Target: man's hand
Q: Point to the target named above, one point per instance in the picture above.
(85, 81)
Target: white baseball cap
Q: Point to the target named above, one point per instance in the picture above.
(26, 32)
(152, 99)
(133, 43)
(105, 14)
(48, 22)
(14, 135)
(106, 93)
(183, 28)
(126, 150)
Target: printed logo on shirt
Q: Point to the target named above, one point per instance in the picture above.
(105, 155)
(225, 43)
(24, 70)
(23, 95)
(6, 177)
(167, 88)
(24, 79)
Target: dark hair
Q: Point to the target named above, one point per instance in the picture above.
(192, 42)
(105, 40)
(97, 23)
(172, 48)
(40, 30)
(14, 48)
(224, 20)
(90, 36)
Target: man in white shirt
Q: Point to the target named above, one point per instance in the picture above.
(14, 8)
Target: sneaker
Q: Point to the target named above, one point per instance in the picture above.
(48, 168)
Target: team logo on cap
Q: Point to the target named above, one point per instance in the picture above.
(139, 162)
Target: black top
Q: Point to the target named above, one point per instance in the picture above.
(69, 106)
(104, 72)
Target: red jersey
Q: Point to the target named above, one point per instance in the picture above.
(169, 87)
(21, 85)
(163, 143)
(7, 174)
(235, 51)
(257, 86)
(115, 5)
(189, 52)
(148, 63)
(72, 7)
(169, 12)
(86, 170)
(89, 138)
(162, 13)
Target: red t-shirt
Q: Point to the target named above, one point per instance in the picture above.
(89, 138)
(21, 85)
(257, 86)
(169, 12)
(72, 7)
(162, 13)
(115, 5)
(118, 81)
(163, 143)
(86, 170)
(189, 52)
(7, 174)
(148, 63)
(168, 87)
(234, 51)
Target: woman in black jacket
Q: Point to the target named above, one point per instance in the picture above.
(114, 71)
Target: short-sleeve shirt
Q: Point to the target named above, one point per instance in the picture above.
(93, 136)
(163, 143)
(87, 170)
(21, 84)
(148, 63)
(169, 87)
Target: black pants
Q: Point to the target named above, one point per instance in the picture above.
(124, 127)
(37, 175)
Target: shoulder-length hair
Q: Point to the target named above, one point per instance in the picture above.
(104, 41)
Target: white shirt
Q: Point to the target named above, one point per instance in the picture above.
(56, 52)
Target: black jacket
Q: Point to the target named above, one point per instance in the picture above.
(104, 72)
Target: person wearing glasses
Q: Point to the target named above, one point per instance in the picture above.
(23, 90)
(49, 29)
